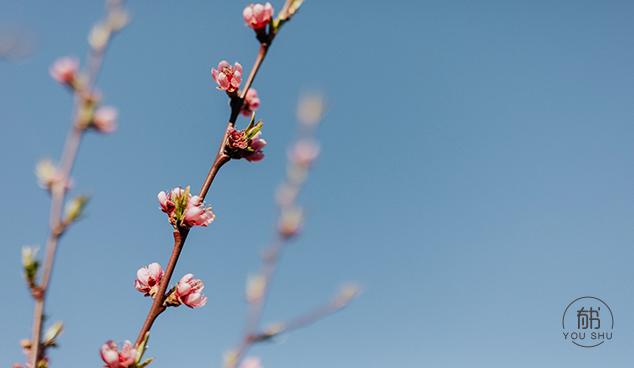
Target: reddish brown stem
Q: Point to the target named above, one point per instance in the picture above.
(157, 308)
(221, 158)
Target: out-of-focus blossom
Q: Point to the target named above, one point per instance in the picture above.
(189, 291)
(251, 102)
(310, 109)
(115, 358)
(290, 222)
(105, 119)
(64, 70)
(257, 16)
(53, 332)
(227, 77)
(247, 143)
(30, 264)
(48, 175)
(304, 152)
(148, 279)
(251, 362)
(183, 209)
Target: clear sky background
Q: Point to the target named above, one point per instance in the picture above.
(476, 177)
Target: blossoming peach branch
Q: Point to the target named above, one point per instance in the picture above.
(185, 210)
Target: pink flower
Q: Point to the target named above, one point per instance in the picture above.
(197, 214)
(257, 16)
(64, 70)
(256, 145)
(251, 363)
(239, 146)
(118, 359)
(189, 291)
(251, 102)
(304, 153)
(105, 119)
(148, 279)
(228, 77)
(183, 209)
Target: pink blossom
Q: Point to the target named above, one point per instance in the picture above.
(257, 16)
(118, 359)
(197, 214)
(148, 279)
(251, 363)
(228, 77)
(239, 146)
(105, 119)
(257, 144)
(304, 153)
(251, 102)
(64, 70)
(183, 209)
(189, 291)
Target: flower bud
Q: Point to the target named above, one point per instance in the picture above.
(64, 70)
(52, 333)
(48, 175)
(258, 16)
(251, 363)
(255, 288)
(148, 279)
(30, 264)
(251, 102)
(290, 222)
(115, 358)
(187, 291)
(75, 208)
(227, 77)
(105, 119)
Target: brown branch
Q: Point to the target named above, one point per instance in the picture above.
(221, 158)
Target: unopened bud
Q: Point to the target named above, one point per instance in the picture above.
(346, 294)
(30, 263)
(52, 333)
(99, 36)
(75, 208)
(255, 288)
(118, 19)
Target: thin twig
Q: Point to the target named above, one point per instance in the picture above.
(58, 196)
(221, 158)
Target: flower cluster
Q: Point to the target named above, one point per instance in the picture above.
(115, 358)
(247, 143)
(187, 291)
(185, 210)
(148, 279)
(257, 16)
(228, 77)
(103, 119)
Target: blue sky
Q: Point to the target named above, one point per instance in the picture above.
(476, 177)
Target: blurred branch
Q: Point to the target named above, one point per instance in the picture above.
(236, 102)
(57, 223)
